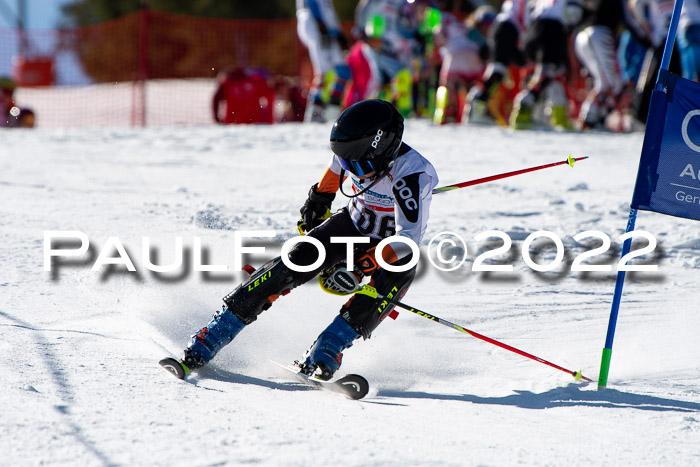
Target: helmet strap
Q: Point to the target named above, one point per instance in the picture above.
(376, 180)
(379, 177)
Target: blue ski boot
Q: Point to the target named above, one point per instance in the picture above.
(210, 339)
(325, 355)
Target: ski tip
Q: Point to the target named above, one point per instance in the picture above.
(356, 387)
(175, 367)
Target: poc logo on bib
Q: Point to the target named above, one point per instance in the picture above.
(377, 139)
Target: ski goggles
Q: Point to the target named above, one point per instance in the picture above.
(359, 168)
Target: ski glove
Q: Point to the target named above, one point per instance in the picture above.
(339, 281)
(315, 210)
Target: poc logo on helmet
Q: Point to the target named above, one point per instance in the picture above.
(377, 138)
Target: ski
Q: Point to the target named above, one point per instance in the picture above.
(175, 367)
(352, 386)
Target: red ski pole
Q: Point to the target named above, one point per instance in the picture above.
(570, 160)
(372, 292)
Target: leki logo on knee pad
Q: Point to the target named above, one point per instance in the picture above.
(260, 280)
(390, 295)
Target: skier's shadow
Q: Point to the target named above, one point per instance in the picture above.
(64, 394)
(569, 396)
(219, 374)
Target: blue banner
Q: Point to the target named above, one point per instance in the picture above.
(668, 180)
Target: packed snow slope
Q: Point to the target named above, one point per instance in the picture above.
(80, 343)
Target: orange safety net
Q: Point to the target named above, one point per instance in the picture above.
(147, 68)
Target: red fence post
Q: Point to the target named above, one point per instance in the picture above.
(138, 104)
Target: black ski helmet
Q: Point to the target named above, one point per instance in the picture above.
(366, 136)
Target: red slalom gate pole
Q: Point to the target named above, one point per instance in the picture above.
(372, 292)
(570, 161)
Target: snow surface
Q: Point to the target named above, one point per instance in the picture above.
(169, 102)
(80, 379)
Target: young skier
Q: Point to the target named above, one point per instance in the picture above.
(391, 192)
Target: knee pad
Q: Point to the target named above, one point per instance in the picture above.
(262, 288)
(364, 314)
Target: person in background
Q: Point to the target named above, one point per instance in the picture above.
(7, 101)
(505, 50)
(389, 11)
(596, 47)
(420, 21)
(319, 30)
(546, 45)
(654, 16)
(464, 51)
(369, 80)
(689, 39)
(12, 116)
(382, 60)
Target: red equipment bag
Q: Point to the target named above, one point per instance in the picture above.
(249, 96)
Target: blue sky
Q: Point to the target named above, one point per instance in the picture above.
(41, 14)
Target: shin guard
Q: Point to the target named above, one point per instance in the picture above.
(263, 287)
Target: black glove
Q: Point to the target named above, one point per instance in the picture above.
(316, 209)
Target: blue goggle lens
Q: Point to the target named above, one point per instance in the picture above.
(359, 168)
